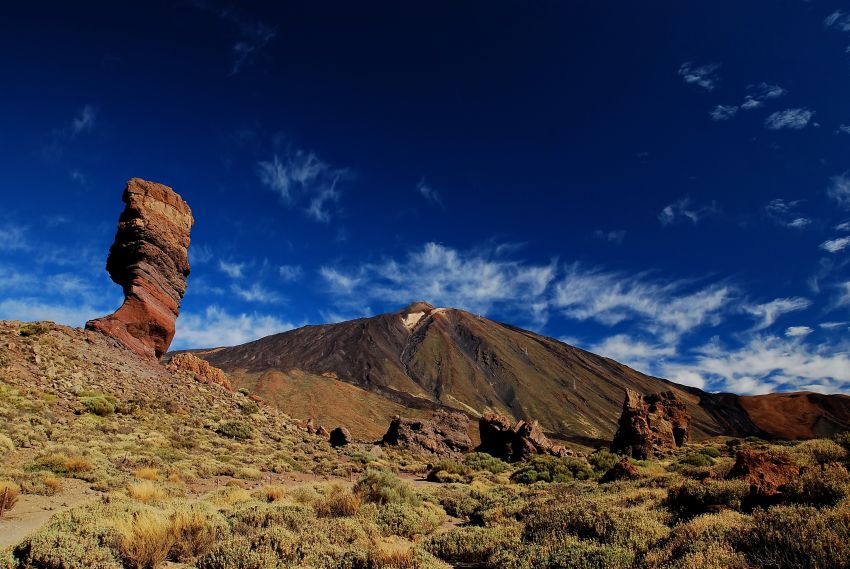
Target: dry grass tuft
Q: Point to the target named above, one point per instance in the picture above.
(9, 492)
(273, 492)
(146, 473)
(145, 540)
(145, 492)
(392, 554)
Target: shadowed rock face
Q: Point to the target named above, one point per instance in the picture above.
(513, 443)
(149, 260)
(651, 424)
(445, 433)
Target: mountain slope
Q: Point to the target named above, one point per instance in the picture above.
(424, 357)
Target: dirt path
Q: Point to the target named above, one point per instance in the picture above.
(32, 512)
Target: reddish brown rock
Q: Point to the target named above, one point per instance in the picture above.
(766, 473)
(444, 433)
(513, 443)
(623, 470)
(200, 369)
(651, 424)
(340, 437)
(149, 260)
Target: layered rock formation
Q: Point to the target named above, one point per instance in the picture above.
(149, 260)
(512, 443)
(444, 433)
(766, 473)
(651, 424)
(199, 369)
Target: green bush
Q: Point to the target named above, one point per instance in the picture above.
(458, 500)
(798, 536)
(712, 452)
(98, 405)
(447, 471)
(697, 459)
(603, 460)
(406, 520)
(552, 469)
(472, 544)
(485, 462)
(384, 487)
(235, 430)
(695, 497)
(32, 329)
(823, 485)
(565, 554)
(248, 407)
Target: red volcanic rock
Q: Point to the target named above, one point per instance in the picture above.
(651, 424)
(514, 443)
(766, 473)
(623, 470)
(444, 433)
(200, 369)
(149, 260)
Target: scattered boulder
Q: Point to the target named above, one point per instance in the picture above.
(340, 437)
(766, 472)
(149, 259)
(623, 470)
(322, 432)
(513, 443)
(651, 424)
(444, 433)
(202, 371)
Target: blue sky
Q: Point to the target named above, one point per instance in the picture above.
(665, 183)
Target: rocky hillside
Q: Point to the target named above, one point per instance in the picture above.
(424, 357)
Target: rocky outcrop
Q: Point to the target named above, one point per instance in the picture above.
(512, 443)
(444, 433)
(623, 470)
(651, 425)
(149, 260)
(340, 437)
(199, 369)
(767, 473)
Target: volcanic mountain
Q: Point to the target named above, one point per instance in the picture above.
(361, 372)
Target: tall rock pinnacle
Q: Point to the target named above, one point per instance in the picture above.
(149, 260)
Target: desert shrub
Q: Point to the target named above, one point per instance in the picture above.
(712, 452)
(195, 529)
(235, 430)
(248, 407)
(146, 473)
(9, 493)
(144, 539)
(798, 536)
(693, 497)
(448, 471)
(273, 492)
(485, 462)
(704, 541)
(248, 517)
(697, 459)
(634, 529)
(472, 544)
(457, 500)
(248, 473)
(823, 485)
(339, 501)
(567, 553)
(98, 405)
(238, 554)
(552, 469)
(819, 451)
(32, 329)
(146, 492)
(498, 506)
(383, 487)
(60, 463)
(406, 520)
(58, 549)
(244, 391)
(6, 444)
(603, 460)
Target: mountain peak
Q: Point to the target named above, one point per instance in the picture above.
(417, 306)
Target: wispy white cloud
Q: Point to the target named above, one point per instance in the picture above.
(704, 76)
(215, 327)
(28, 309)
(429, 193)
(838, 20)
(290, 273)
(614, 235)
(254, 35)
(685, 209)
(833, 325)
(256, 293)
(793, 119)
(640, 355)
(767, 313)
(83, 122)
(797, 331)
(800, 222)
(232, 269)
(199, 254)
(765, 364)
(302, 176)
(723, 112)
(783, 212)
(13, 237)
(839, 189)
(843, 128)
(835, 245)
(760, 93)
(665, 309)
